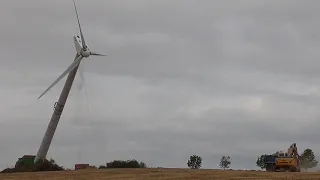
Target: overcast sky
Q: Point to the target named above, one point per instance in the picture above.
(183, 77)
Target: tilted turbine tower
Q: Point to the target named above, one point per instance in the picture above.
(82, 51)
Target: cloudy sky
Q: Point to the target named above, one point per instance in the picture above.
(183, 77)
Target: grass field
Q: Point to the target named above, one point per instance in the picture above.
(161, 174)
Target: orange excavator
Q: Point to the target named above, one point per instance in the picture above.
(284, 161)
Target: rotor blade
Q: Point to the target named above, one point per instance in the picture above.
(81, 34)
(97, 54)
(69, 69)
(82, 78)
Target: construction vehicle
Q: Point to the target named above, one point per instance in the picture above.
(81, 166)
(26, 160)
(270, 162)
(283, 161)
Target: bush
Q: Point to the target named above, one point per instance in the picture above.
(102, 167)
(8, 170)
(41, 165)
(124, 164)
(45, 165)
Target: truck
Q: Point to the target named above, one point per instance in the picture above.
(283, 161)
(81, 166)
(26, 160)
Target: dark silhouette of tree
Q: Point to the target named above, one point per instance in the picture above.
(261, 162)
(308, 160)
(225, 162)
(124, 164)
(194, 162)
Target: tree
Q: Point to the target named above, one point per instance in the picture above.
(307, 159)
(194, 162)
(124, 164)
(225, 162)
(260, 162)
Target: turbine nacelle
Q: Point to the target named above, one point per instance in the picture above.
(85, 53)
(82, 52)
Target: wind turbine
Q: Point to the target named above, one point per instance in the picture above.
(82, 52)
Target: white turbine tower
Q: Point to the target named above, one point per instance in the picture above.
(82, 52)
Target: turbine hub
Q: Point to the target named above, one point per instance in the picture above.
(85, 53)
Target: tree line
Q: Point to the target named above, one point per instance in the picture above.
(50, 165)
(194, 162)
(307, 160)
